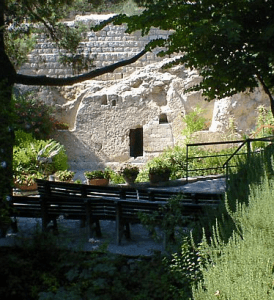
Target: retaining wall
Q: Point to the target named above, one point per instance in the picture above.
(107, 46)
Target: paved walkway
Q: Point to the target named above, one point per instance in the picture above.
(73, 236)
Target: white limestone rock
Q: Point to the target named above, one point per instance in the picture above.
(103, 114)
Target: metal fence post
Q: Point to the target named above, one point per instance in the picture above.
(187, 163)
(248, 150)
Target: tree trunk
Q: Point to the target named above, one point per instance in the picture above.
(267, 91)
(7, 78)
(6, 140)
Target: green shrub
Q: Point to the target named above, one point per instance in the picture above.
(171, 158)
(31, 156)
(33, 116)
(175, 160)
(242, 268)
(170, 219)
(264, 124)
(194, 121)
(115, 177)
(42, 268)
(184, 267)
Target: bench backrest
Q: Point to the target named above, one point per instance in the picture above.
(70, 190)
(26, 206)
(54, 188)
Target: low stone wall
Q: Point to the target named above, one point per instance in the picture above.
(107, 46)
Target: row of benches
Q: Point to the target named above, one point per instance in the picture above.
(90, 204)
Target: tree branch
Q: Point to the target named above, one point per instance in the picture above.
(267, 91)
(50, 30)
(50, 81)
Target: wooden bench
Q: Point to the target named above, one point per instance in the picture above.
(90, 204)
(26, 206)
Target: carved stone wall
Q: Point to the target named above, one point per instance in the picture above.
(107, 46)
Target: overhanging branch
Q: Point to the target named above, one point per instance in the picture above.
(50, 81)
(267, 91)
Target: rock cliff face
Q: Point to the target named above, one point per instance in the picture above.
(137, 112)
(139, 116)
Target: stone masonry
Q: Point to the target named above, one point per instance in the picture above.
(107, 46)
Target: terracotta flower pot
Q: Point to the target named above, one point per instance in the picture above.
(25, 187)
(99, 182)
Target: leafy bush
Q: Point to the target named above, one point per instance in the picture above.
(31, 156)
(33, 116)
(185, 266)
(194, 121)
(242, 268)
(175, 160)
(265, 123)
(115, 177)
(43, 269)
(170, 219)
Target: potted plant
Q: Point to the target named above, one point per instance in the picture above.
(129, 173)
(65, 175)
(97, 177)
(159, 174)
(26, 182)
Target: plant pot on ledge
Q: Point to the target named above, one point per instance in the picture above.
(99, 178)
(65, 176)
(26, 182)
(158, 174)
(130, 179)
(129, 173)
(25, 187)
(98, 181)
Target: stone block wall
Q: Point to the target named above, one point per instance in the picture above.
(107, 46)
(157, 137)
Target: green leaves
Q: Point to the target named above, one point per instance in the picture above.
(229, 42)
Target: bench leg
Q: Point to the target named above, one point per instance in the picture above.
(97, 229)
(119, 227)
(53, 227)
(127, 231)
(91, 228)
(14, 225)
(82, 223)
(165, 241)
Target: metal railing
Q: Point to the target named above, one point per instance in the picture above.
(226, 165)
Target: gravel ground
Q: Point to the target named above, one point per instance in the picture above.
(73, 236)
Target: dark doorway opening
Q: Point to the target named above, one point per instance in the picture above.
(136, 142)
